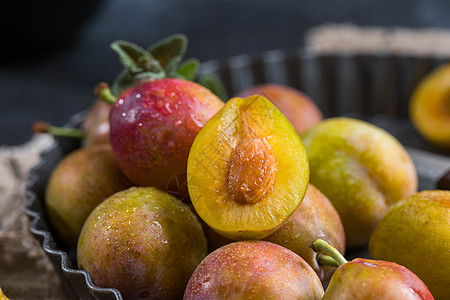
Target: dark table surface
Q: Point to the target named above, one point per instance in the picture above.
(52, 57)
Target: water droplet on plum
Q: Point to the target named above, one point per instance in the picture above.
(157, 224)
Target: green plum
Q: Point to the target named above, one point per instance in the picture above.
(362, 169)
(416, 234)
(142, 241)
(80, 181)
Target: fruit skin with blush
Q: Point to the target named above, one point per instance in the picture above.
(96, 124)
(370, 279)
(315, 217)
(416, 234)
(253, 270)
(142, 241)
(80, 181)
(429, 106)
(248, 169)
(375, 279)
(153, 126)
(298, 108)
(362, 169)
(94, 127)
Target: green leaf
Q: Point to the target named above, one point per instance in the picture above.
(215, 85)
(188, 69)
(153, 66)
(132, 56)
(169, 51)
(144, 76)
(123, 81)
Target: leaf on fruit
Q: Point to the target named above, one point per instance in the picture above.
(132, 56)
(162, 59)
(123, 81)
(215, 85)
(169, 51)
(144, 76)
(188, 69)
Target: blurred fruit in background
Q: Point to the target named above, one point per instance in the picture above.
(429, 108)
(298, 108)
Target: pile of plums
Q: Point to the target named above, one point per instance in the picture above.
(177, 193)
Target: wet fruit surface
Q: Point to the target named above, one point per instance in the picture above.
(314, 218)
(253, 270)
(144, 242)
(247, 172)
(153, 126)
(362, 169)
(416, 234)
(82, 180)
(374, 279)
(247, 169)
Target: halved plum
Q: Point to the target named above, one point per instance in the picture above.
(247, 169)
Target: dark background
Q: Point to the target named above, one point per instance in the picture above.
(53, 53)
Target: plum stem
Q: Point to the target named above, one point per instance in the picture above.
(103, 92)
(326, 260)
(42, 127)
(326, 248)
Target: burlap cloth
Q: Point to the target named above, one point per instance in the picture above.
(26, 272)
